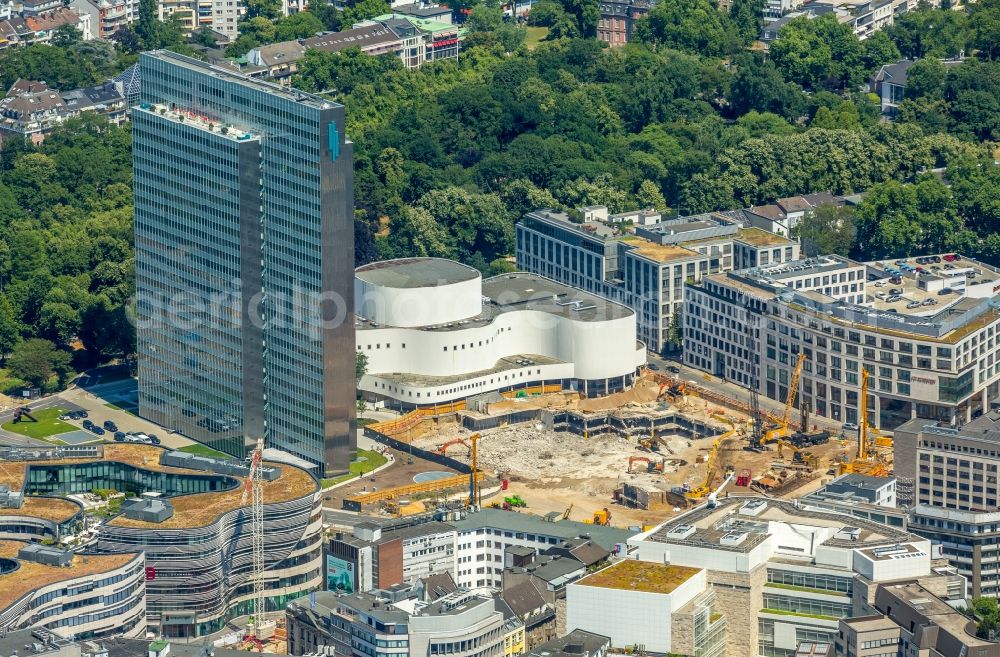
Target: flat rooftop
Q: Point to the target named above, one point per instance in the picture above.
(293, 95)
(523, 291)
(195, 510)
(529, 523)
(659, 252)
(645, 576)
(731, 516)
(415, 272)
(798, 268)
(47, 508)
(31, 575)
(759, 237)
(938, 611)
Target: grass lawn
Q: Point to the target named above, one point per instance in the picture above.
(535, 36)
(203, 450)
(358, 467)
(48, 424)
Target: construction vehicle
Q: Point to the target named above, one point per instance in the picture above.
(713, 497)
(567, 512)
(515, 502)
(601, 517)
(745, 478)
(474, 492)
(756, 417)
(867, 460)
(455, 441)
(705, 488)
(651, 465)
(671, 390)
(784, 427)
(650, 444)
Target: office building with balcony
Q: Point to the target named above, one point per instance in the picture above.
(641, 259)
(245, 258)
(926, 334)
(189, 520)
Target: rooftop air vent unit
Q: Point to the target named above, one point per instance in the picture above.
(849, 534)
(734, 538)
(753, 508)
(680, 532)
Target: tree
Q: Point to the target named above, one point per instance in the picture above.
(298, 26)
(928, 32)
(696, 27)
(819, 53)
(58, 322)
(66, 35)
(37, 360)
(759, 86)
(984, 24)
(269, 9)
(326, 13)
(362, 407)
(828, 229)
(10, 327)
(879, 49)
(360, 365)
(675, 330)
(925, 79)
(650, 196)
(362, 11)
(748, 19)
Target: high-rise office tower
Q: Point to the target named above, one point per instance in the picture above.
(244, 235)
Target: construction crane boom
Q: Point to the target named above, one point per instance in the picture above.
(756, 418)
(474, 491)
(253, 488)
(793, 391)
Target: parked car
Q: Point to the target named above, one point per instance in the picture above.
(850, 426)
(120, 436)
(945, 291)
(97, 430)
(880, 284)
(930, 302)
(674, 369)
(654, 366)
(87, 424)
(912, 305)
(154, 440)
(110, 426)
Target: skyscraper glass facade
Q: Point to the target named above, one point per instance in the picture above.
(244, 247)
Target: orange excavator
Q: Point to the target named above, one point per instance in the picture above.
(455, 441)
(651, 466)
(670, 391)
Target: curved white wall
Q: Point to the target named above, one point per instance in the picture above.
(594, 350)
(418, 306)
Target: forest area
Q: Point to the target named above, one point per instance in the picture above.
(687, 118)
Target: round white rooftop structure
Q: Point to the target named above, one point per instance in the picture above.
(415, 292)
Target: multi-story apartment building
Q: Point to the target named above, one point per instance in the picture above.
(948, 480)
(107, 16)
(618, 18)
(462, 623)
(927, 338)
(640, 260)
(776, 573)
(245, 262)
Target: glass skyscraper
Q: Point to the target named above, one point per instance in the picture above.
(244, 235)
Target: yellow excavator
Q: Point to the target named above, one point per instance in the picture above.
(867, 460)
(702, 491)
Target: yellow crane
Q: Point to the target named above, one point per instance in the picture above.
(867, 460)
(474, 492)
(784, 427)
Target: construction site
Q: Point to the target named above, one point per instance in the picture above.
(632, 458)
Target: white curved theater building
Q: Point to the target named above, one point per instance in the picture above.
(435, 332)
